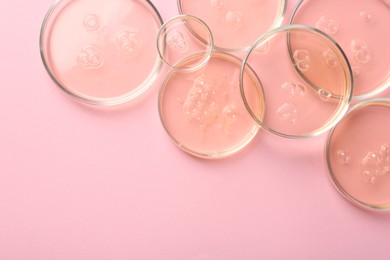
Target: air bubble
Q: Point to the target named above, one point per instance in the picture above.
(368, 177)
(366, 16)
(294, 90)
(219, 4)
(343, 156)
(330, 58)
(128, 43)
(377, 163)
(177, 41)
(327, 25)
(356, 71)
(92, 22)
(234, 18)
(325, 94)
(231, 114)
(302, 60)
(361, 51)
(288, 112)
(90, 58)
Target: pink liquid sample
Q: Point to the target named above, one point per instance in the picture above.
(203, 110)
(359, 155)
(361, 27)
(306, 81)
(102, 52)
(236, 24)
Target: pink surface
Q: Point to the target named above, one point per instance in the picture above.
(81, 183)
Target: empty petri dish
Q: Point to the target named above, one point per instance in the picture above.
(101, 52)
(203, 111)
(236, 24)
(358, 154)
(182, 36)
(306, 79)
(361, 28)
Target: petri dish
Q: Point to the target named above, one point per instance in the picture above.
(358, 154)
(101, 52)
(306, 79)
(182, 36)
(236, 24)
(202, 110)
(361, 28)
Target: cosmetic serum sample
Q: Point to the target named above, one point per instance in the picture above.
(358, 154)
(236, 24)
(203, 110)
(306, 79)
(102, 52)
(361, 27)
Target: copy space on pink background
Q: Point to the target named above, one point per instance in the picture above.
(81, 183)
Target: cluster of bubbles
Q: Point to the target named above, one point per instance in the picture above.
(376, 164)
(302, 60)
(128, 43)
(330, 58)
(234, 18)
(328, 25)
(90, 57)
(288, 112)
(92, 22)
(177, 42)
(360, 51)
(219, 4)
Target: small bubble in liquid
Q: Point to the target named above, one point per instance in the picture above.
(231, 113)
(324, 94)
(90, 58)
(177, 42)
(219, 4)
(343, 156)
(302, 60)
(234, 18)
(327, 25)
(92, 22)
(330, 58)
(294, 90)
(366, 16)
(368, 177)
(356, 71)
(288, 112)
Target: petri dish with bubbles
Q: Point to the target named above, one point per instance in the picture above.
(358, 154)
(236, 24)
(101, 52)
(306, 79)
(361, 28)
(202, 110)
(182, 36)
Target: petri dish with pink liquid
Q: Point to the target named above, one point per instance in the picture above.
(101, 52)
(202, 110)
(182, 36)
(358, 154)
(306, 79)
(361, 28)
(236, 24)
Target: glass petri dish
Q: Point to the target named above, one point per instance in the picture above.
(101, 52)
(236, 24)
(361, 27)
(358, 154)
(306, 79)
(203, 112)
(182, 36)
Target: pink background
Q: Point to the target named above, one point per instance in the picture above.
(81, 183)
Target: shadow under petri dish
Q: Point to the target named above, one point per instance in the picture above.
(358, 154)
(203, 111)
(361, 28)
(102, 52)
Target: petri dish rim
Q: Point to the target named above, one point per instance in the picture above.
(103, 102)
(347, 72)
(277, 22)
(331, 175)
(368, 95)
(255, 130)
(208, 52)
